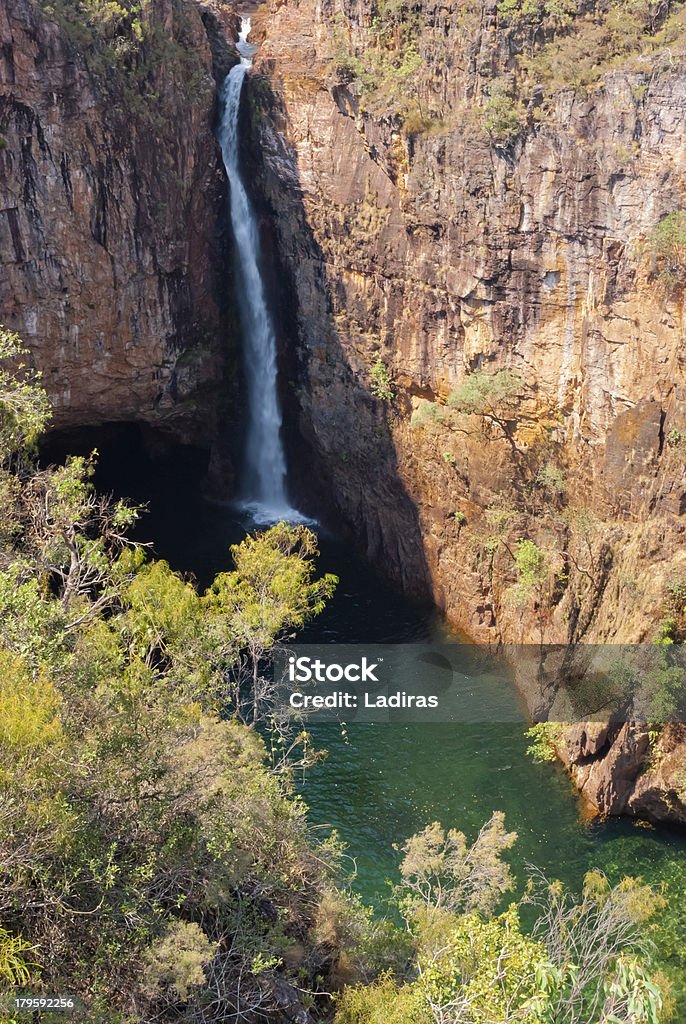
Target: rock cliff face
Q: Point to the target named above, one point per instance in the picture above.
(111, 197)
(426, 259)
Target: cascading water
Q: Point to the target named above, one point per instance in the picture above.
(264, 482)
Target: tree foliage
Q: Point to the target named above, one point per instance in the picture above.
(533, 569)
(488, 970)
(151, 861)
(503, 115)
(668, 245)
(380, 382)
(24, 406)
(442, 870)
(487, 394)
(142, 830)
(271, 592)
(585, 958)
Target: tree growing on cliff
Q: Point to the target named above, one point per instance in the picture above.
(672, 626)
(668, 247)
(380, 382)
(496, 399)
(494, 396)
(503, 115)
(533, 569)
(24, 406)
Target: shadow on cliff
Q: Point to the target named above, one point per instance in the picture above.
(343, 465)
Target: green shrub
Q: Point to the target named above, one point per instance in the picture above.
(544, 737)
(531, 562)
(676, 438)
(426, 412)
(483, 393)
(385, 61)
(176, 961)
(533, 569)
(24, 407)
(551, 479)
(384, 1002)
(124, 43)
(503, 115)
(671, 628)
(578, 50)
(668, 244)
(559, 12)
(380, 385)
(582, 958)
(463, 971)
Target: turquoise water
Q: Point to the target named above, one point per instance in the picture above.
(387, 781)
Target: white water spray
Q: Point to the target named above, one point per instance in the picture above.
(264, 485)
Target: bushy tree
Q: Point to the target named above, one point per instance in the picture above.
(598, 950)
(533, 570)
(151, 861)
(486, 971)
(440, 869)
(668, 245)
(271, 593)
(496, 398)
(24, 406)
(503, 115)
(380, 382)
(132, 811)
(487, 394)
(584, 959)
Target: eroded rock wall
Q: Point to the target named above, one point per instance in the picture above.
(111, 197)
(442, 253)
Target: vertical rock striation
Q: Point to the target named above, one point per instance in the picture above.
(111, 193)
(443, 251)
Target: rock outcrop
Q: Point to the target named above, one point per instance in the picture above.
(417, 257)
(111, 200)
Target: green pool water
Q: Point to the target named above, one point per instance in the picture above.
(386, 781)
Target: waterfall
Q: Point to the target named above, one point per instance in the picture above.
(264, 473)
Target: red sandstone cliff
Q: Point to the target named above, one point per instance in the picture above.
(111, 193)
(449, 233)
